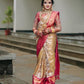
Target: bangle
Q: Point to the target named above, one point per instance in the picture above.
(53, 30)
(35, 31)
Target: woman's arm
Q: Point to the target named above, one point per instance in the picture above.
(58, 23)
(35, 24)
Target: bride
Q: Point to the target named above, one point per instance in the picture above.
(46, 25)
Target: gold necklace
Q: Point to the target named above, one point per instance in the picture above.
(46, 11)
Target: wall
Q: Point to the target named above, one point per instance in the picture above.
(3, 6)
(25, 13)
(71, 14)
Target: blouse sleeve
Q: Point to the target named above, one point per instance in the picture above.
(35, 24)
(57, 19)
(57, 22)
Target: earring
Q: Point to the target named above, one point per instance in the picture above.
(51, 9)
(43, 9)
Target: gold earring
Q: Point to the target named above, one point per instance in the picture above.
(43, 9)
(51, 9)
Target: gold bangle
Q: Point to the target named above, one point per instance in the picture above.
(35, 31)
(53, 30)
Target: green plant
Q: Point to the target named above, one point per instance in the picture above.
(8, 19)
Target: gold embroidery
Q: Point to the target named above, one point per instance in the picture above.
(43, 20)
(46, 58)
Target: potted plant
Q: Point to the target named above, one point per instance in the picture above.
(8, 19)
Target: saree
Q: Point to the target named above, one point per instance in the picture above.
(48, 65)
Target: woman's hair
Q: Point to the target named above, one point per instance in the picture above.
(43, 2)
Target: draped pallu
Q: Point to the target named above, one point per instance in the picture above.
(48, 66)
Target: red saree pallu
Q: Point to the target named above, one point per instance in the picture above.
(48, 65)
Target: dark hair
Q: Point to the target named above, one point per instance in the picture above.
(43, 2)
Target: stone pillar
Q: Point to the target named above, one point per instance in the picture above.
(14, 26)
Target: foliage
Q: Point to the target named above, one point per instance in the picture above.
(8, 19)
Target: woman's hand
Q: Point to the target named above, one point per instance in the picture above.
(39, 33)
(47, 30)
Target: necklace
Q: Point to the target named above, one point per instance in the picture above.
(46, 11)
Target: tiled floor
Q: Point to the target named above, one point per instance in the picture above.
(24, 67)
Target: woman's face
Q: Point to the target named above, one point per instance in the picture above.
(47, 4)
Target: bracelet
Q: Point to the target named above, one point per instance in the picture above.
(35, 31)
(48, 30)
(53, 30)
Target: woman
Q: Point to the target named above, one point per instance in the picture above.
(46, 25)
